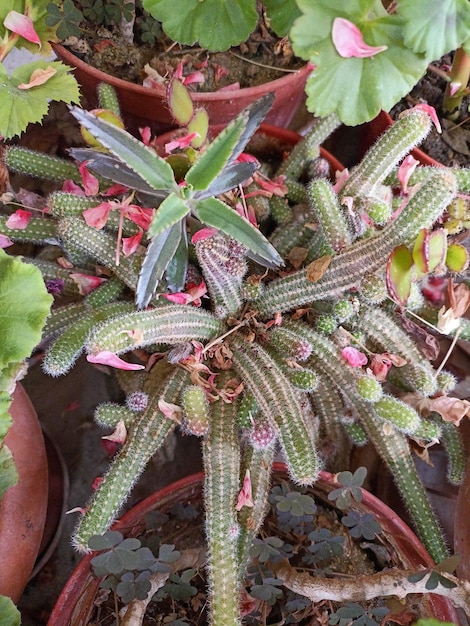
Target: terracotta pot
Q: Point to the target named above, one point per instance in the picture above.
(142, 106)
(75, 603)
(23, 507)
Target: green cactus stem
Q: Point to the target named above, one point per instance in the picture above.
(40, 165)
(278, 403)
(62, 354)
(397, 413)
(39, 231)
(62, 317)
(347, 269)
(167, 324)
(296, 233)
(63, 204)
(330, 214)
(98, 245)
(196, 410)
(452, 440)
(221, 487)
(108, 99)
(106, 292)
(144, 438)
(109, 414)
(247, 410)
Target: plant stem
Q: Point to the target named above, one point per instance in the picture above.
(459, 73)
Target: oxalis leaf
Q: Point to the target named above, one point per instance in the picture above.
(215, 213)
(21, 107)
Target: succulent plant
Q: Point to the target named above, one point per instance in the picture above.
(296, 358)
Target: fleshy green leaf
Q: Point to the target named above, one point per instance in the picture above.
(213, 212)
(215, 24)
(171, 211)
(354, 88)
(398, 274)
(435, 27)
(160, 252)
(429, 250)
(456, 258)
(179, 102)
(178, 266)
(21, 107)
(154, 170)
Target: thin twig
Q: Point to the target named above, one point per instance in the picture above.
(269, 67)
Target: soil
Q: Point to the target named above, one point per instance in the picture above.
(183, 525)
(452, 147)
(247, 65)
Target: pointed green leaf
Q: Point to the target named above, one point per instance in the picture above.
(216, 156)
(232, 176)
(398, 274)
(159, 254)
(21, 107)
(215, 213)
(178, 266)
(179, 102)
(155, 171)
(229, 144)
(171, 211)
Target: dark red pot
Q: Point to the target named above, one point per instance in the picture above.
(23, 507)
(75, 603)
(142, 106)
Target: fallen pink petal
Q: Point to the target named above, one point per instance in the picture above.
(119, 435)
(171, 411)
(353, 356)
(406, 169)
(245, 497)
(19, 219)
(349, 42)
(109, 358)
(21, 25)
(90, 182)
(97, 216)
(5, 241)
(130, 244)
(182, 142)
(431, 111)
(86, 283)
(203, 233)
(38, 77)
(380, 366)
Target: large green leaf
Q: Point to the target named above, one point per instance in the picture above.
(215, 213)
(24, 306)
(171, 211)
(160, 252)
(20, 107)
(356, 89)
(282, 14)
(215, 24)
(154, 170)
(435, 27)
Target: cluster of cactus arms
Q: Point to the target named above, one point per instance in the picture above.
(262, 366)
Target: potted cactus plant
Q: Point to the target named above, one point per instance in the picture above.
(320, 528)
(207, 330)
(155, 36)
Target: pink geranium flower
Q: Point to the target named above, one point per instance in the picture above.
(349, 42)
(5, 241)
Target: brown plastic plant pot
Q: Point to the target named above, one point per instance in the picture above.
(75, 603)
(142, 106)
(23, 507)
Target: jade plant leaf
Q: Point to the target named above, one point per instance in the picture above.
(22, 106)
(189, 21)
(441, 27)
(399, 274)
(215, 213)
(154, 170)
(456, 258)
(355, 88)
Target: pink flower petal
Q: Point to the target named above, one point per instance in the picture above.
(182, 142)
(97, 216)
(171, 411)
(130, 244)
(245, 497)
(177, 298)
(19, 219)
(194, 77)
(454, 88)
(203, 233)
(405, 170)
(70, 187)
(380, 365)
(5, 241)
(90, 182)
(21, 25)
(119, 435)
(140, 216)
(348, 40)
(116, 190)
(146, 134)
(86, 283)
(109, 358)
(431, 111)
(354, 357)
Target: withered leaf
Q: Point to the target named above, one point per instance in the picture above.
(317, 268)
(427, 343)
